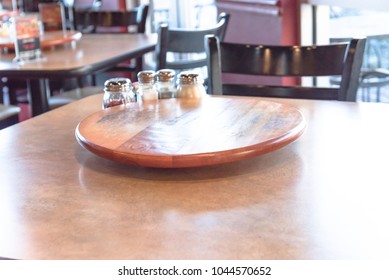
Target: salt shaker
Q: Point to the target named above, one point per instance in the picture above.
(117, 91)
(147, 88)
(190, 85)
(165, 83)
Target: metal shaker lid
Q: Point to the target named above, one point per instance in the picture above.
(165, 75)
(118, 84)
(189, 78)
(146, 76)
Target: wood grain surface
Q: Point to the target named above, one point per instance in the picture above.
(175, 133)
(322, 197)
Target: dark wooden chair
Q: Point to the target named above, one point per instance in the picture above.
(123, 21)
(9, 115)
(186, 45)
(52, 16)
(98, 21)
(373, 79)
(344, 60)
(374, 74)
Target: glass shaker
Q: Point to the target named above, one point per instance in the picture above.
(147, 88)
(165, 83)
(190, 85)
(117, 91)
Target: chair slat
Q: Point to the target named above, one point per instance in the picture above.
(343, 60)
(184, 42)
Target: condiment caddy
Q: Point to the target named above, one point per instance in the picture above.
(153, 85)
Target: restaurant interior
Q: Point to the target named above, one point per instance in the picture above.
(195, 129)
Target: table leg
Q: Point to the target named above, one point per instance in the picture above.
(37, 91)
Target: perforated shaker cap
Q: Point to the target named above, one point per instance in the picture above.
(165, 75)
(146, 76)
(118, 85)
(189, 78)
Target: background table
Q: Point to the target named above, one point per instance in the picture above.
(324, 196)
(92, 53)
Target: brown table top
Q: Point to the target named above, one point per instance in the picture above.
(323, 196)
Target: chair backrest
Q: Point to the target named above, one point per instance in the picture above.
(186, 41)
(52, 16)
(344, 60)
(99, 21)
(9, 115)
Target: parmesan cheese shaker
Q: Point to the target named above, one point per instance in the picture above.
(190, 85)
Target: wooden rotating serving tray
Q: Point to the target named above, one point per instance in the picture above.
(175, 133)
